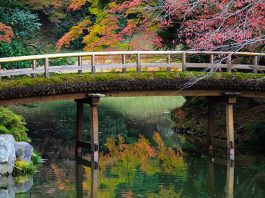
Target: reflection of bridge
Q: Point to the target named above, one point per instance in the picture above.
(171, 60)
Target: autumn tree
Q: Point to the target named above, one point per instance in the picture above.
(144, 24)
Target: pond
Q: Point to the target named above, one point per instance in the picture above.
(147, 160)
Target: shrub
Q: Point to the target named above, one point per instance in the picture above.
(13, 124)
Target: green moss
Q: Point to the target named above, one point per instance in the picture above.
(87, 77)
(11, 123)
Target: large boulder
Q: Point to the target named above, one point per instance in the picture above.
(23, 151)
(7, 154)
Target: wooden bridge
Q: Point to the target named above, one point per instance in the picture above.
(93, 62)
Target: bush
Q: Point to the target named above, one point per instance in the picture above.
(13, 124)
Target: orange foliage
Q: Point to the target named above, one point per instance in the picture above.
(6, 33)
(76, 4)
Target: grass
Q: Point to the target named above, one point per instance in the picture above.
(55, 79)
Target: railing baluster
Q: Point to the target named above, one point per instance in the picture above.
(124, 62)
(0, 71)
(184, 62)
(46, 68)
(34, 66)
(93, 64)
(212, 59)
(138, 62)
(168, 62)
(229, 63)
(80, 64)
(255, 69)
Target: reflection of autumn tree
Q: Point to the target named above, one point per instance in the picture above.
(131, 166)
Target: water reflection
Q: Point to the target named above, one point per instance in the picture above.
(230, 166)
(52, 134)
(10, 187)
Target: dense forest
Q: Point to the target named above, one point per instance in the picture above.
(35, 27)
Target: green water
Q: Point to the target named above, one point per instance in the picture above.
(129, 173)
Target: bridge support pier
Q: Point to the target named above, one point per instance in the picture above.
(230, 100)
(93, 100)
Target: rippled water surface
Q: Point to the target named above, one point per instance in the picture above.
(131, 166)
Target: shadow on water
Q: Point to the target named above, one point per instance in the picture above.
(132, 169)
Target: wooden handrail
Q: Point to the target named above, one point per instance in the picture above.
(82, 54)
(138, 64)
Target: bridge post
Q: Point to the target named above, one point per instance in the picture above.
(184, 61)
(168, 62)
(80, 64)
(46, 68)
(93, 64)
(93, 101)
(230, 101)
(124, 62)
(211, 123)
(229, 63)
(255, 70)
(138, 62)
(34, 66)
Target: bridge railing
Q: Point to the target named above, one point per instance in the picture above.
(217, 59)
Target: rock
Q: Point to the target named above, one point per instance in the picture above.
(7, 154)
(23, 151)
(7, 187)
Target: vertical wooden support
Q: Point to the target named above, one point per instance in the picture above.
(138, 63)
(212, 61)
(94, 179)
(230, 178)
(93, 64)
(184, 61)
(79, 64)
(79, 180)
(255, 61)
(94, 100)
(229, 63)
(46, 67)
(79, 127)
(34, 66)
(230, 127)
(0, 71)
(168, 62)
(211, 123)
(124, 62)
